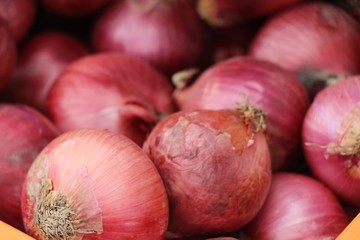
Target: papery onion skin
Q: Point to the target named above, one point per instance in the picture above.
(169, 34)
(74, 8)
(298, 207)
(267, 87)
(112, 91)
(20, 15)
(40, 61)
(307, 38)
(110, 184)
(216, 170)
(8, 54)
(330, 138)
(222, 13)
(24, 133)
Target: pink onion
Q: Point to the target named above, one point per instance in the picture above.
(306, 39)
(8, 54)
(41, 60)
(20, 15)
(230, 12)
(216, 168)
(298, 207)
(94, 184)
(331, 138)
(24, 133)
(74, 8)
(267, 86)
(167, 34)
(111, 91)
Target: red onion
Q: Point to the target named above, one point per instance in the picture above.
(41, 60)
(216, 168)
(330, 138)
(7, 54)
(20, 15)
(229, 12)
(306, 39)
(267, 87)
(298, 207)
(111, 91)
(24, 133)
(168, 34)
(74, 8)
(94, 184)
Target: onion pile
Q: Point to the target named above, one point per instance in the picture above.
(216, 168)
(24, 133)
(94, 184)
(318, 41)
(298, 207)
(267, 87)
(170, 119)
(112, 91)
(331, 138)
(40, 61)
(168, 34)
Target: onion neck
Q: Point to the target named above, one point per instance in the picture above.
(183, 78)
(252, 116)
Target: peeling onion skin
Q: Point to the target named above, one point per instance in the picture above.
(109, 182)
(31, 81)
(331, 138)
(267, 86)
(221, 13)
(24, 133)
(169, 34)
(8, 54)
(216, 170)
(298, 207)
(111, 91)
(20, 15)
(307, 39)
(74, 8)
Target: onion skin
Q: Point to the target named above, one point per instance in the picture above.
(112, 91)
(330, 138)
(74, 8)
(31, 81)
(298, 207)
(8, 54)
(111, 185)
(20, 15)
(226, 84)
(306, 39)
(216, 170)
(169, 35)
(221, 13)
(24, 132)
